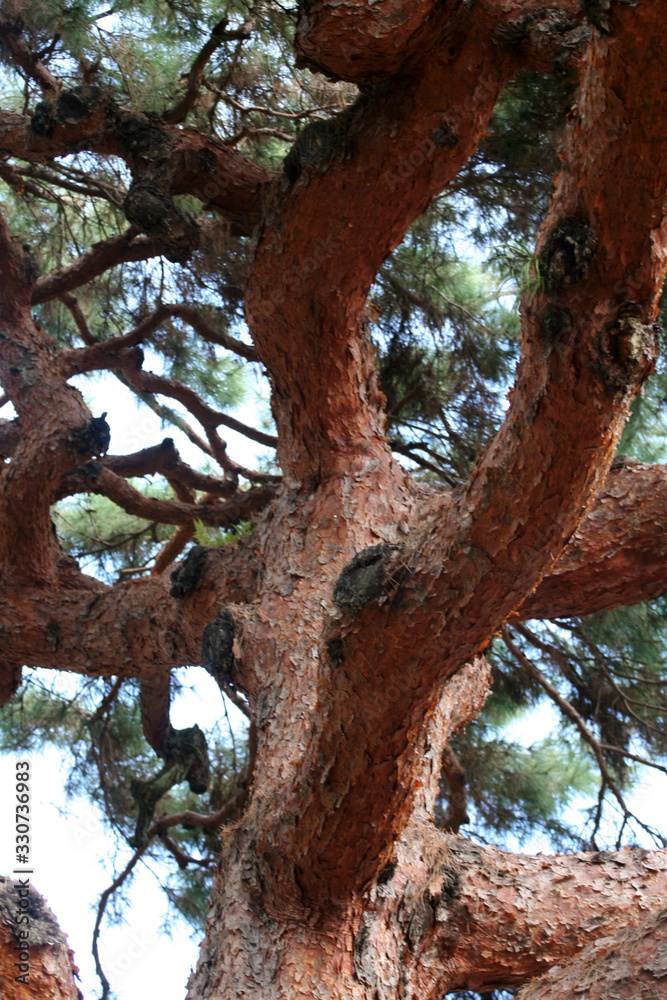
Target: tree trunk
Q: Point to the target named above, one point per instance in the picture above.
(335, 882)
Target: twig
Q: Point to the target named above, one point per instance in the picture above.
(201, 325)
(104, 899)
(407, 450)
(570, 711)
(633, 756)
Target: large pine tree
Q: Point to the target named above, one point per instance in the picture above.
(345, 204)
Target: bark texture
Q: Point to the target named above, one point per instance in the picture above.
(50, 973)
(352, 623)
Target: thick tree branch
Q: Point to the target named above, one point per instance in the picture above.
(135, 629)
(586, 350)
(483, 918)
(178, 161)
(362, 43)
(57, 430)
(618, 554)
(333, 240)
(10, 437)
(102, 353)
(172, 548)
(108, 253)
(154, 702)
(629, 965)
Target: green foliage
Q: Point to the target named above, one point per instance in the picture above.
(44, 20)
(507, 183)
(517, 791)
(517, 263)
(217, 537)
(221, 381)
(447, 349)
(96, 724)
(105, 538)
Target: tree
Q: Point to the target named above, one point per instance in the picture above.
(350, 607)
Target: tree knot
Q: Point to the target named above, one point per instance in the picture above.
(217, 654)
(187, 576)
(567, 254)
(92, 438)
(366, 578)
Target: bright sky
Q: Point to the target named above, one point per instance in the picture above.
(74, 860)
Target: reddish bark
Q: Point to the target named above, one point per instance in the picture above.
(481, 553)
(50, 964)
(617, 555)
(542, 908)
(178, 160)
(62, 432)
(630, 965)
(360, 595)
(136, 629)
